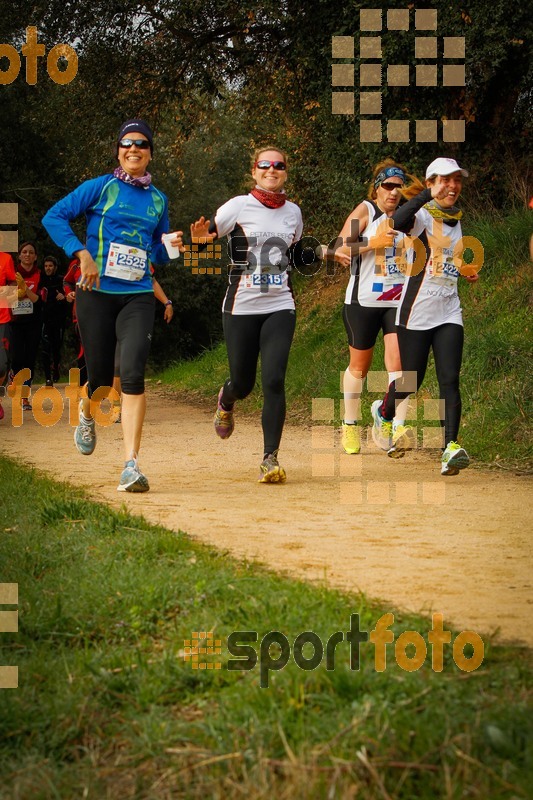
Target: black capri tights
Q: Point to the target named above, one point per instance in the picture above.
(4, 350)
(104, 320)
(25, 338)
(247, 335)
(447, 343)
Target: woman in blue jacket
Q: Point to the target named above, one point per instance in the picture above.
(126, 218)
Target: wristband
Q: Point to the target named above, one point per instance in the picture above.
(168, 303)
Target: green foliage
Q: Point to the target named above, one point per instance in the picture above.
(216, 81)
(108, 707)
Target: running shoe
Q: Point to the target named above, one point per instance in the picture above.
(132, 479)
(224, 422)
(270, 470)
(402, 440)
(49, 382)
(454, 459)
(85, 435)
(26, 405)
(381, 429)
(351, 438)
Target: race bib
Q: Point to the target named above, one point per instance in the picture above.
(23, 307)
(388, 262)
(393, 274)
(442, 273)
(266, 280)
(126, 262)
(263, 277)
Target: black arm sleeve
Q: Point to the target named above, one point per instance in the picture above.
(404, 217)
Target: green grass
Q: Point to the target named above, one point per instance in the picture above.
(107, 708)
(496, 377)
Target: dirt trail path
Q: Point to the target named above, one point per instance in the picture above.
(395, 530)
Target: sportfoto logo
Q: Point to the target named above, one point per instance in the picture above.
(374, 72)
(239, 643)
(33, 50)
(48, 404)
(308, 256)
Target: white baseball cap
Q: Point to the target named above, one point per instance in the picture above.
(444, 166)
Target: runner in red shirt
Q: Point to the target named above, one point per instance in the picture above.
(7, 278)
(26, 322)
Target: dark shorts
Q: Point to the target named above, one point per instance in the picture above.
(363, 324)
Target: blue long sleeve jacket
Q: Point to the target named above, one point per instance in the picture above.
(115, 212)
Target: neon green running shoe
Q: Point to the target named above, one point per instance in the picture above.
(402, 440)
(351, 438)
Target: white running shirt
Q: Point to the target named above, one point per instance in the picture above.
(430, 298)
(259, 238)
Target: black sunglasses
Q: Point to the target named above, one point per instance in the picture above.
(263, 164)
(142, 144)
(391, 186)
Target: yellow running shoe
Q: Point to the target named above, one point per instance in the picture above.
(351, 438)
(270, 470)
(402, 440)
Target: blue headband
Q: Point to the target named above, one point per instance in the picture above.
(389, 172)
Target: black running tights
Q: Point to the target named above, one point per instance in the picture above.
(447, 343)
(106, 319)
(247, 336)
(25, 338)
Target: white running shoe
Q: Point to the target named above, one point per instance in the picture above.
(454, 459)
(132, 479)
(382, 428)
(85, 434)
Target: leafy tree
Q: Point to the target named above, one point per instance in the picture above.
(217, 79)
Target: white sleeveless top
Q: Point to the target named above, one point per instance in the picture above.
(368, 280)
(430, 298)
